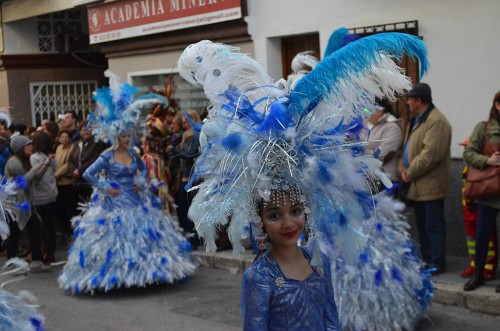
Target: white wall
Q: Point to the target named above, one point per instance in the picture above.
(156, 62)
(21, 37)
(462, 37)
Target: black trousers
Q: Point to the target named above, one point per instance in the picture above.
(184, 200)
(35, 228)
(47, 213)
(486, 219)
(66, 207)
(431, 229)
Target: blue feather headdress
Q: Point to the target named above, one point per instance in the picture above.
(117, 111)
(311, 133)
(338, 39)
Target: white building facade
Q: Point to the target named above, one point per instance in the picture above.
(462, 38)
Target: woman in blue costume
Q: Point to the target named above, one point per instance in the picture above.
(123, 238)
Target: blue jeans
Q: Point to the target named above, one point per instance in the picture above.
(486, 219)
(431, 229)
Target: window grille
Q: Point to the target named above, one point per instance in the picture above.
(52, 26)
(48, 99)
(410, 27)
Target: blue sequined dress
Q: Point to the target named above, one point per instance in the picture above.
(125, 240)
(271, 301)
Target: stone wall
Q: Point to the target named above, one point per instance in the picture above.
(455, 229)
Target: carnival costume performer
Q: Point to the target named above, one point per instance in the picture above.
(123, 238)
(261, 142)
(17, 312)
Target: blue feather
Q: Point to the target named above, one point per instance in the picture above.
(148, 96)
(21, 183)
(363, 257)
(127, 92)
(232, 142)
(355, 59)
(378, 277)
(323, 173)
(36, 323)
(195, 126)
(82, 259)
(25, 206)
(113, 280)
(396, 274)
(185, 247)
(278, 119)
(338, 39)
(103, 96)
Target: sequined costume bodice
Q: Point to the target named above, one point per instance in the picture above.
(118, 175)
(271, 301)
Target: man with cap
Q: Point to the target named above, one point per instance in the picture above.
(425, 166)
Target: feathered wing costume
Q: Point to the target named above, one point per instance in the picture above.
(260, 139)
(125, 240)
(17, 312)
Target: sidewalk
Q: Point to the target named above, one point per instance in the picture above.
(448, 286)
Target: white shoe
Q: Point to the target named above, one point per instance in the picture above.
(38, 266)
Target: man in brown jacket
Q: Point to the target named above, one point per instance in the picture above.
(425, 165)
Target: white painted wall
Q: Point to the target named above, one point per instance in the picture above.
(21, 37)
(463, 38)
(161, 62)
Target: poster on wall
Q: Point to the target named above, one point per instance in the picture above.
(131, 18)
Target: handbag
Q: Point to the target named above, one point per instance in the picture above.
(482, 183)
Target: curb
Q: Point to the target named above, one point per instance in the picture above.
(483, 300)
(225, 260)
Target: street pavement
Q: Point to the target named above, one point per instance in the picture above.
(209, 300)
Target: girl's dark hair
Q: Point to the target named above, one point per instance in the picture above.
(82, 125)
(494, 112)
(52, 128)
(25, 160)
(29, 131)
(42, 143)
(384, 103)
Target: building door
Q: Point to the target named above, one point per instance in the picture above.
(290, 46)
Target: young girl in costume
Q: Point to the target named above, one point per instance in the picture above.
(281, 290)
(123, 238)
(262, 139)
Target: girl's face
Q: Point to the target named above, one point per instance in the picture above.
(284, 223)
(185, 123)
(497, 106)
(64, 139)
(28, 149)
(124, 139)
